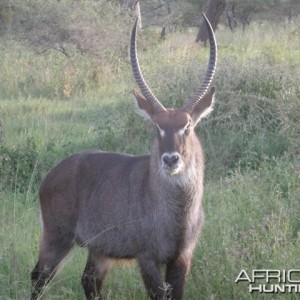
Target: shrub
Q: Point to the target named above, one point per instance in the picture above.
(18, 166)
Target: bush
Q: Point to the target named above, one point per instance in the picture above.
(251, 118)
(18, 166)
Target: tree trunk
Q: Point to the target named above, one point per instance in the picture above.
(213, 13)
(232, 22)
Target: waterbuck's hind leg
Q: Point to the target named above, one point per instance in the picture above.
(51, 254)
(40, 277)
(94, 274)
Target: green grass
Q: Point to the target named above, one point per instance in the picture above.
(51, 107)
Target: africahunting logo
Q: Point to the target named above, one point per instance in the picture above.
(270, 281)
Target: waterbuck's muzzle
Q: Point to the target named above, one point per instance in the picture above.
(171, 162)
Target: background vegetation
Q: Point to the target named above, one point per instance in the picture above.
(65, 86)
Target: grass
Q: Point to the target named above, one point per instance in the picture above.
(51, 107)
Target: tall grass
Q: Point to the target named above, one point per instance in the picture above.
(51, 106)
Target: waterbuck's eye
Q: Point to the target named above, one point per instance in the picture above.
(157, 130)
(187, 129)
(160, 131)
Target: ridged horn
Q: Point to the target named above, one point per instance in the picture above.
(211, 67)
(137, 73)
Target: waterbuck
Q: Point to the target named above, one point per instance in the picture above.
(120, 206)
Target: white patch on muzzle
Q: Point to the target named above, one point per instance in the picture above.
(171, 162)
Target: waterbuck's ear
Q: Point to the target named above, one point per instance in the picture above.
(204, 107)
(144, 107)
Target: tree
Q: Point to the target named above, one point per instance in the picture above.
(70, 27)
(213, 13)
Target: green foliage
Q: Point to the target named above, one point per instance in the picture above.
(17, 166)
(256, 218)
(251, 118)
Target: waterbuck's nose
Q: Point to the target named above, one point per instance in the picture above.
(170, 159)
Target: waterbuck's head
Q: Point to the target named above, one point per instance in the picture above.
(175, 127)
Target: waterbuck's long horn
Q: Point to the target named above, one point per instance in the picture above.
(138, 73)
(211, 67)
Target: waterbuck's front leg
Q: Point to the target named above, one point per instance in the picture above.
(175, 275)
(151, 277)
(93, 276)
